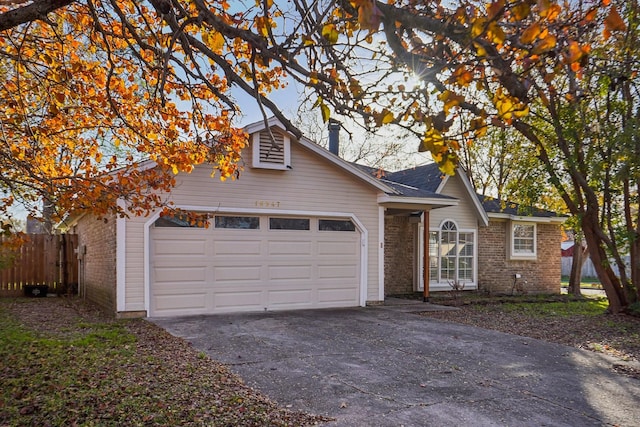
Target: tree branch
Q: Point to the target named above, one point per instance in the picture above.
(32, 12)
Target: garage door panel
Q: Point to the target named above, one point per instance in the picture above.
(237, 273)
(346, 247)
(236, 247)
(337, 271)
(290, 272)
(180, 274)
(290, 298)
(236, 301)
(177, 247)
(181, 302)
(338, 295)
(289, 247)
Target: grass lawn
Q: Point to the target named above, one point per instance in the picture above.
(585, 282)
(61, 363)
(578, 322)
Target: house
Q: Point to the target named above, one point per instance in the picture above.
(302, 228)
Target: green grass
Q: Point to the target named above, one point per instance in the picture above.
(586, 307)
(40, 371)
(585, 282)
(88, 370)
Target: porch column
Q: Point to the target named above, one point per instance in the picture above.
(425, 261)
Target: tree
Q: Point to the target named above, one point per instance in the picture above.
(443, 73)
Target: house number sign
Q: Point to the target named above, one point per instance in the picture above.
(267, 204)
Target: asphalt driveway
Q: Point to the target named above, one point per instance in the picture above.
(388, 367)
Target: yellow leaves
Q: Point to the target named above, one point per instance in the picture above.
(520, 11)
(479, 127)
(509, 107)
(432, 141)
(324, 109)
(531, 33)
(447, 164)
(307, 40)
(330, 33)
(495, 34)
(441, 150)
(478, 27)
(214, 40)
(548, 9)
(263, 25)
(450, 100)
(385, 117)
(544, 45)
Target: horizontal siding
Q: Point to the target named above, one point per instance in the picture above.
(464, 214)
(313, 184)
(134, 272)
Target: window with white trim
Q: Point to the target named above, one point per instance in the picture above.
(451, 254)
(271, 150)
(523, 240)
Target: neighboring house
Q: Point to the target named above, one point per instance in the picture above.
(302, 228)
(588, 269)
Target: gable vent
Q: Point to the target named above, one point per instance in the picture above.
(271, 151)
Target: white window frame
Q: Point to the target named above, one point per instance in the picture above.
(513, 255)
(438, 279)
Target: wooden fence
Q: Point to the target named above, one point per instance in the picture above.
(42, 260)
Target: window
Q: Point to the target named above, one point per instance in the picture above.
(523, 240)
(242, 222)
(336, 225)
(271, 153)
(451, 254)
(289, 223)
(182, 220)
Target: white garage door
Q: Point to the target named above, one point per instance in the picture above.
(253, 263)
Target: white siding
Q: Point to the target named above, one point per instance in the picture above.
(312, 185)
(464, 214)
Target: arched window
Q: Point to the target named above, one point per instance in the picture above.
(451, 253)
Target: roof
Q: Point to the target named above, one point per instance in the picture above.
(495, 206)
(427, 177)
(403, 189)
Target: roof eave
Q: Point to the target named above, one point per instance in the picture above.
(525, 218)
(415, 203)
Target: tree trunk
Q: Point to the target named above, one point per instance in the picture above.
(613, 288)
(579, 257)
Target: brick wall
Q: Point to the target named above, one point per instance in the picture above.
(98, 263)
(496, 273)
(398, 255)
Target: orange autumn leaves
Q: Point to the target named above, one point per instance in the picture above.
(86, 101)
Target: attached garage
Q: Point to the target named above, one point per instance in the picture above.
(253, 263)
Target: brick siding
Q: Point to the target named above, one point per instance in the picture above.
(98, 263)
(496, 273)
(398, 255)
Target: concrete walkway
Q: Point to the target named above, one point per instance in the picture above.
(385, 366)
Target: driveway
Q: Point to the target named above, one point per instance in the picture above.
(386, 366)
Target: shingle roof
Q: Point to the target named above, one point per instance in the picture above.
(405, 188)
(492, 205)
(426, 177)
(423, 181)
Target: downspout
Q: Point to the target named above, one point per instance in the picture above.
(425, 260)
